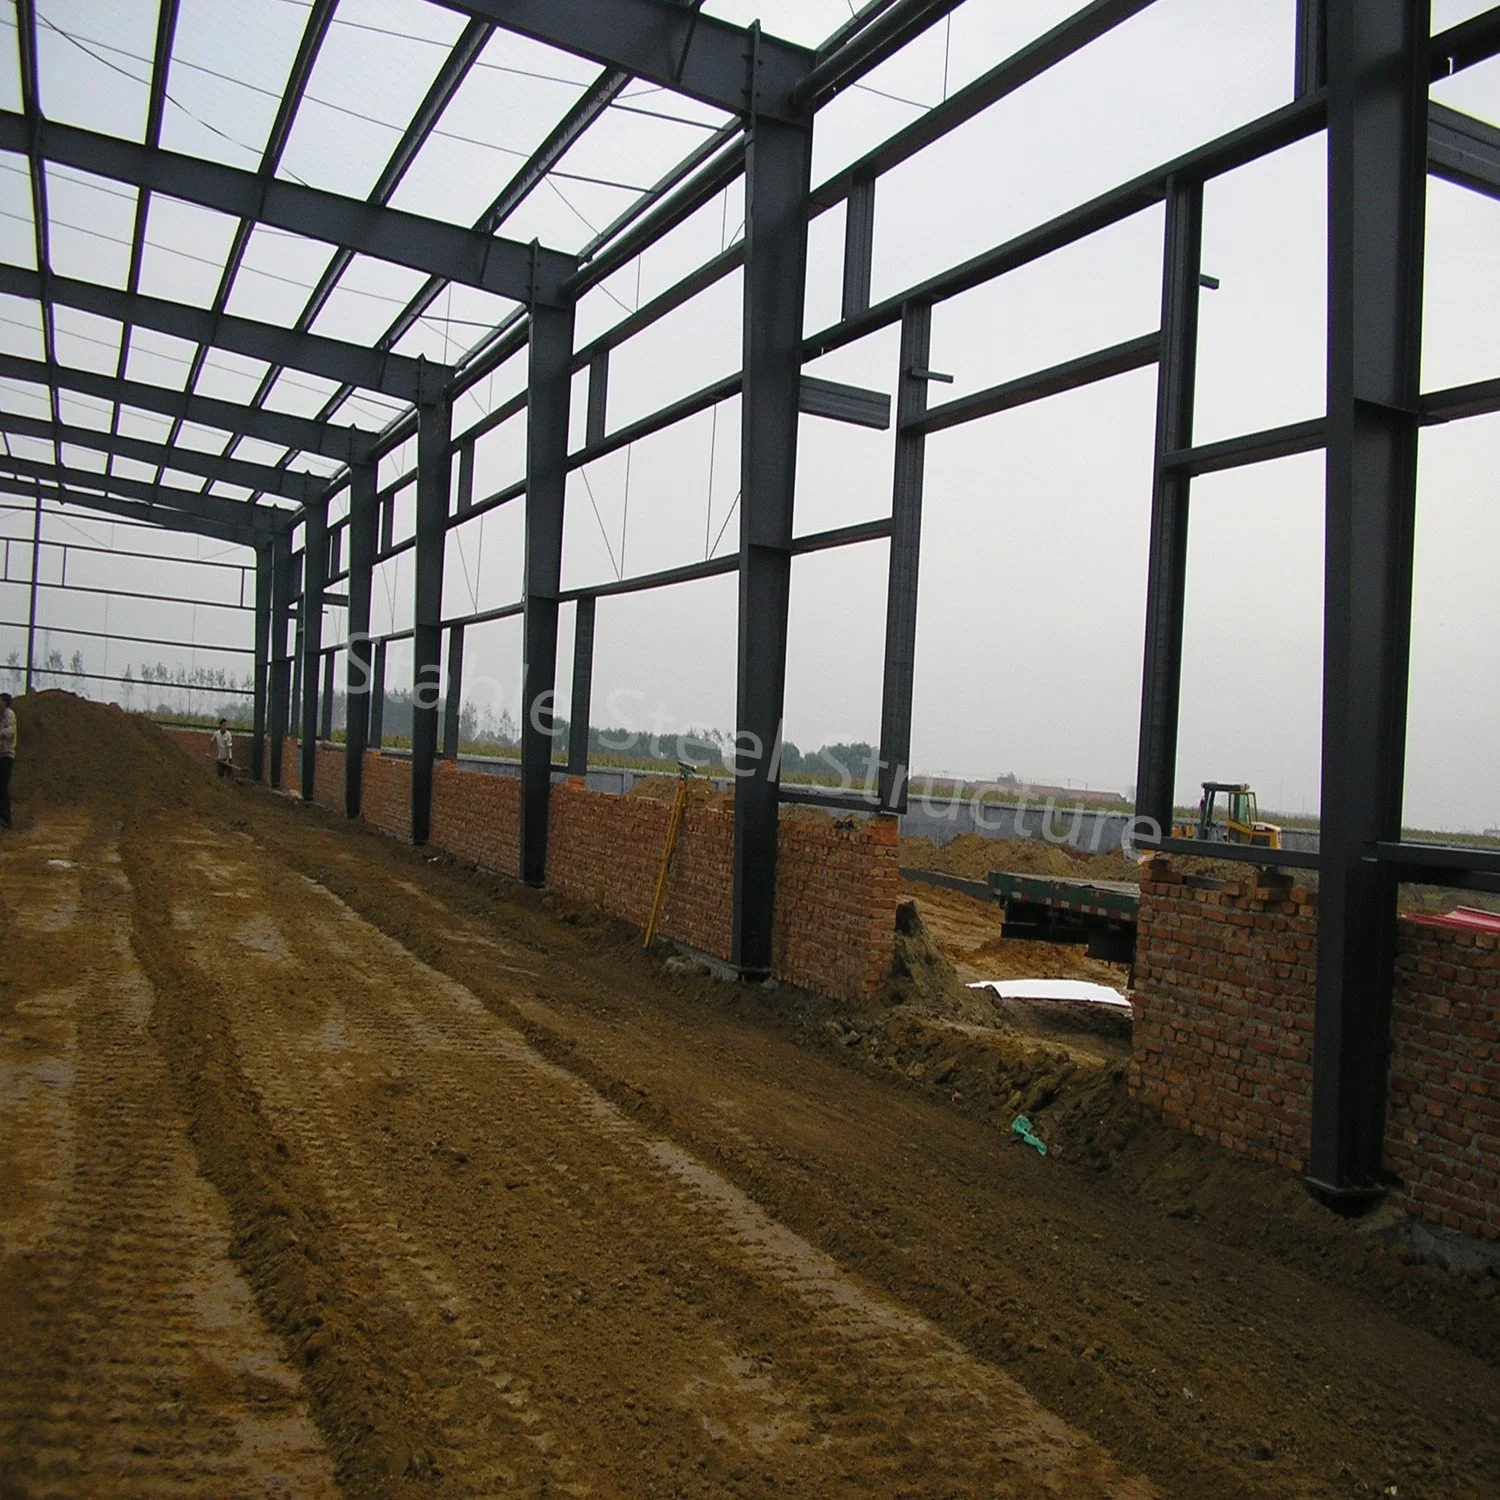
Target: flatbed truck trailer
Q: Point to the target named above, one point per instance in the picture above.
(1064, 909)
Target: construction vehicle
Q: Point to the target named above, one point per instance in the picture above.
(1237, 824)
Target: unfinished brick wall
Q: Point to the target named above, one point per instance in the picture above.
(385, 793)
(1443, 1130)
(476, 816)
(1225, 978)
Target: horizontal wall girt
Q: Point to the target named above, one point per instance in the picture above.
(666, 43)
(1476, 400)
(507, 268)
(1135, 354)
(302, 433)
(1252, 448)
(290, 484)
(1472, 41)
(1464, 150)
(373, 369)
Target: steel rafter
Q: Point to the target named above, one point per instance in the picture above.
(505, 267)
(260, 518)
(348, 444)
(166, 31)
(290, 484)
(130, 510)
(315, 354)
(666, 43)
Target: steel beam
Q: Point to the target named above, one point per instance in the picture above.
(376, 370)
(549, 391)
(314, 582)
(260, 663)
(505, 267)
(581, 706)
(364, 521)
(665, 43)
(906, 545)
(1104, 364)
(1166, 566)
(1473, 41)
(1252, 448)
(280, 657)
(288, 483)
(882, 37)
(346, 443)
(434, 475)
(859, 245)
(325, 713)
(1463, 150)
(237, 515)
(1311, 52)
(1377, 157)
(777, 172)
(844, 403)
(132, 510)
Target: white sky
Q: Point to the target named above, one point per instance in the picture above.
(1034, 542)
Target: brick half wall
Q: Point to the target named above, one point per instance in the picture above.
(1225, 979)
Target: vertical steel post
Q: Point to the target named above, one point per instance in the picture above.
(583, 688)
(859, 245)
(777, 166)
(314, 580)
(1166, 566)
(906, 545)
(36, 556)
(1377, 185)
(549, 390)
(364, 521)
(1312, 46)
(594, 426)
(281, 603)
(434, 474)
(264, 566)
(377, 698)
(325, 721)
(453, 688)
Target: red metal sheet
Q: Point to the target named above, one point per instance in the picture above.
(1466, 918)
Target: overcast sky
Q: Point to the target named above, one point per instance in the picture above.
(1034, 539)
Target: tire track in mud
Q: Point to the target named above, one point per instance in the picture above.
(136, 1363)
(575, 1305)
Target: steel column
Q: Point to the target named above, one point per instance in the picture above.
(1311, 58)
(36, 558)
(1166, 567)
(453, 687)
(364, 519)
(777, 165)
(1377, 133)
(549, 388)
(583, 688)
(859, 245)
(314, 580)
(906, 545)
(264, 566)
(281, 595)
(434, 471)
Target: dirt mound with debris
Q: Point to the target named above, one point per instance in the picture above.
(700, 791)
(971, 856)
(923, 980)
(71, 752)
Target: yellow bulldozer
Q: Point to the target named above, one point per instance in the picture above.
(1232, 822)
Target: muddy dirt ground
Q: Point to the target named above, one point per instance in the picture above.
(331, 1167)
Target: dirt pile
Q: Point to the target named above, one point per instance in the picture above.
(971, 857)
(923, 980)
(74, 753)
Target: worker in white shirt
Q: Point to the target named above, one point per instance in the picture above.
(223, 749)
(7, 755)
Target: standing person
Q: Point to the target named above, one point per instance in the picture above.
(7, 755)
(223, 749)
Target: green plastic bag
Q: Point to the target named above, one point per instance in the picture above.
(1021, 1126)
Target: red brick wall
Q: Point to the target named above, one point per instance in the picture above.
(1223, 1038)
(385, 793)
(1443, 1130)
(475, 816)
(328, 777)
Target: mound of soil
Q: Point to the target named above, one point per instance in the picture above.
(923, 980)
(71, 752)
(972, 856)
